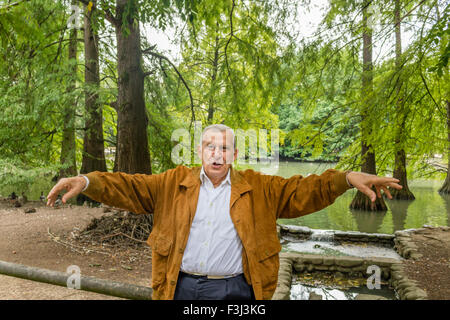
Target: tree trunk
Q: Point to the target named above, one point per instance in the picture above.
(93, 147)
(68, 146)
(400, 154)
(132, 149)
(446, 186)
(215, 67)
(368, 165)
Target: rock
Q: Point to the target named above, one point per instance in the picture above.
(369, 297)
(280, 296)
(397, 275)
(315, 296)
(328, 261)
(397, 267)
(322, 268)
(299, 267)
(30, 210)
(311, 258)
(415, 256)
(401, 234)
(415, 295)
(383, 262)
(403, 284)
(348, 261)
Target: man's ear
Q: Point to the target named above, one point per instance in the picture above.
(235, 154)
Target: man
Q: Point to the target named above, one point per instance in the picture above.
(214, 234)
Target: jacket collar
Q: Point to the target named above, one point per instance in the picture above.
(238, 182)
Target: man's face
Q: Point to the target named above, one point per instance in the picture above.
(217, 153)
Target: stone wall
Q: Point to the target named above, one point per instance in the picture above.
(405, 246)
(305, 233)
(391, 269)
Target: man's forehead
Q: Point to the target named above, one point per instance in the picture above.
(218, 137)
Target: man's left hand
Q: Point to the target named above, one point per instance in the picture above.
(364, 183)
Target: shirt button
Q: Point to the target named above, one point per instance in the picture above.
(181, 250)
(172, 282)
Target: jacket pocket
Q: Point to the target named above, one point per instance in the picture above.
(269, 249)
(161, 246)
(268, 266)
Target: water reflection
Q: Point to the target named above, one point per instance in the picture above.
(429, 208)
(368, 221)
(300, 291)
(399, 209)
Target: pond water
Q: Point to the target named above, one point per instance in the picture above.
(429, 207)
(301, 291)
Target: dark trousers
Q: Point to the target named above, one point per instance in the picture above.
(191, 287)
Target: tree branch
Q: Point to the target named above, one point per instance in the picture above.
(161, 57)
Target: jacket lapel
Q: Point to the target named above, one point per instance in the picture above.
(192, 184)
(239, 186)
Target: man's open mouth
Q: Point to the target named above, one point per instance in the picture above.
(216, 165)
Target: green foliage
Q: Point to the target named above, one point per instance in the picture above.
(238, 65)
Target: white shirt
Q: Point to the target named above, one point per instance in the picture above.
(213, 247)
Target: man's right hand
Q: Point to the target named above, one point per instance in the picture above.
(73, 186)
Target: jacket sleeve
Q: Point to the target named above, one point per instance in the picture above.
(298, 196)
(133, 192)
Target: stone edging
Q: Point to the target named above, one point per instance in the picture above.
(305, 233)
(404, 245)
(391, 269)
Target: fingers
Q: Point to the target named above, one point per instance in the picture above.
(72, 186)
(53, 194)
(70, 194)
(368, 192)
(386, 191)
(378, 191)
(394, 185)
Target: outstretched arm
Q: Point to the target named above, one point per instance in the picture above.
(298, 196)
(133, 192)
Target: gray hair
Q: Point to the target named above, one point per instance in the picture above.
(220, 128)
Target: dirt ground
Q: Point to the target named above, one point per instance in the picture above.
(45, 239)
(432, 271)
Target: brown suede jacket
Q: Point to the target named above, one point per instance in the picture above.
(257, 201)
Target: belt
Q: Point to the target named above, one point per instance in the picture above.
(194, 274)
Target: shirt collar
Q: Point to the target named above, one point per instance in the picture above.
(204, 177)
